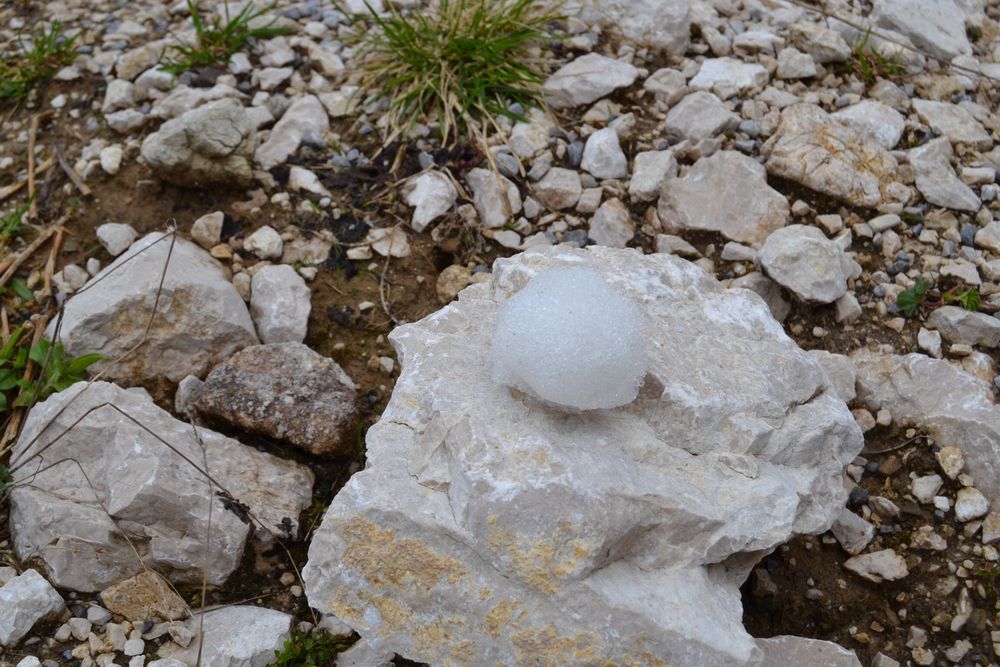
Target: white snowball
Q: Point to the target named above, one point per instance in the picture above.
(571, 339)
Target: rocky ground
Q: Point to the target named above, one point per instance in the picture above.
(238, 244)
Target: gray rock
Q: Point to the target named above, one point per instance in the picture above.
(559, 188)
(200, 318)
(120, 94)
(241, 636)
(650, 171)
(823, 44)
(280, 304)
(207, 230)
(528, 139)
(936, 179)
(793, 64)
(659, 25)
(813, 149)
(699, 115)
(853, 532)
(840, 370)
(792, 651)
(954, 122)
(667, 85)
(265, 242)
(936, 26)
(496, 197)
(703, 468)
(801, 259)
(883, 123)
(431, 194)
(587, 79)
(285, 392)
(129, 489)
(727, 77)
(212, 144)
(726, 193)
(182, 99)
(878, 566)
(959, 412)
(116, 237)
(959, 325)
(305, 120)
(24, 601)
(612, 225)
(603, 156)
(768, 290)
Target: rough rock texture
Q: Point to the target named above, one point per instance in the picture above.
(305, 120)
(287, 392)
(883, 123)
(487, 524)
(210, 144)
(959, 325)
(496, 197)
(801, 259)
(147, 595)
(199, 320)
(821, 153)
(587, 79)
(936, 179)
(280, 304)
(958, 412)
(261, 632)
(24, 601)
(727, 77)
(726, 193)
(936, 26)
(699, 115)
(662, 25)
(789, 651)
(73, 518)
(432, 194)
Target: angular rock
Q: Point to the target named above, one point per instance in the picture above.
(116, 237)
(649, 172)
(970, 504)
(559, 188)
(883, 123)
(959, 412)
(207, 230)
(660, 25)
(699, 115)
(768, 290)
(587, 79)
(728, 76)
(603, 156)
(389, 241)
(304, 121)
(432, 194)
(878, 566)
(959, 325)
(600, 533)
(936, 179)
(813, 149)
(936, 26)
(145, 596)
(726, 193)
(24, 601)
(496, 197)
(823, 44)
(209, 145)
(840, 370)
(199, 320)
(241, 636)
(133, 488)
(793, 64)
(853, 532)
(954, 122)
(528, 139)
(801, 259)
(265, 242)
(280, 304)
(803, 652)
(286, 392)
(612, 225)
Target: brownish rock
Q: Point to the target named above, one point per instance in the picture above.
(147, 595)
(287, 392)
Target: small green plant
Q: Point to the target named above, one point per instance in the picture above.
(44, 53)
(217, 41)
(869, 64)
(57, 372)
(310, 650)
(461, 63)
(924, 294)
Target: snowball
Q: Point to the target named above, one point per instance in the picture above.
(571, 339)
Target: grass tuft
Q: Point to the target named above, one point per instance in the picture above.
(38, 57)
(869, 64)
(318, 649)
(216, 42)
(460, 62)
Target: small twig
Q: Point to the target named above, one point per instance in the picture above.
(17, 187)
(32, 247)
(50, 264)
(33, 211)
(381, 290)
(70, 171)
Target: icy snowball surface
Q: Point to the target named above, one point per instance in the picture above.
(571, 339)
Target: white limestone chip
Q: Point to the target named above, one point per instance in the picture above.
(571, 339)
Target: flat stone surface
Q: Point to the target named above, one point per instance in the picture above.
(560, 188)
(469, 544)
(286, 392)
(305, 120)
(72, 519)
(612, 225)
(241, 636)
(726, 193)
(24, 601)
(936, 179)
(728, 76)
(699, 115)
(936, 26)
(650, 171)
(878, 566)
(147, 595)
(660, 25)
(958, 325)
(280, 304)
(603, 156)
(587, 79)
(801, 259)
(432, 194)
(954, 122)
(200, 318)
(883, 123)
(496, 197)
(793, 651)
